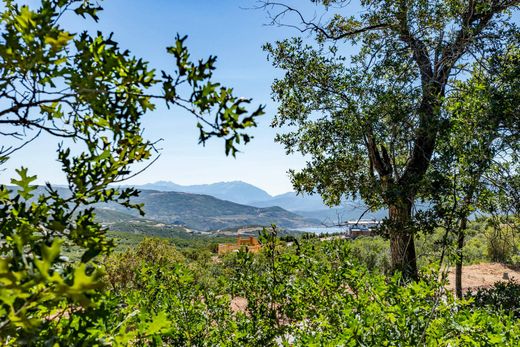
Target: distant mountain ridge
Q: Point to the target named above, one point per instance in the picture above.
(292, 202)
(310, 206)
(243, 193)
(203, 212)
(193, 211)
(235, 191)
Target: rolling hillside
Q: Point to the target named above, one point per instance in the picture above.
(309, 206)
(204, 212)
(194, 211)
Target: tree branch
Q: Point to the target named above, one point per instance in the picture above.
(309, 25)
(19, 106)
(472, 25)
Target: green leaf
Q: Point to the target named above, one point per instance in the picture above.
(24, 183)
(158, 324)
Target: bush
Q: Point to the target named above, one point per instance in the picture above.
(503, 296)
(323, 296)
(500, 243)
(319, 294)
(121, 268)
(372, 252)
(475, 250)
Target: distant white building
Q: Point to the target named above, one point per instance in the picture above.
(362, 227)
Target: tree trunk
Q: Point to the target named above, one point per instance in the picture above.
(402, 247)
(459, 260)
(460, 239)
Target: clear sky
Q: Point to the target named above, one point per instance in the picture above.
(222, 28)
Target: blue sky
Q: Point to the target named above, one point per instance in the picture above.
(222, 28)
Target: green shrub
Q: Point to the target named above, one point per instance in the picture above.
(372, 252)
(324, 297)
(500, 243)
(121, 268)
(502, 296)
(475, 250)
(319, 294)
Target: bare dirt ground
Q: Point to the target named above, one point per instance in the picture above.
(482, 275)
(238, 304)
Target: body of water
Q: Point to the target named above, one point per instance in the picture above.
(323, 230)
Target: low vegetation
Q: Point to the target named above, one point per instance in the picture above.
(313, 292)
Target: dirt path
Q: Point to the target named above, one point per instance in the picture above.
(482, 275)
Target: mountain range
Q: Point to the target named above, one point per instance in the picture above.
(309, 206)
(243, 193)
(205, 212)
(225, 206)
(236, 191)
(188, 211)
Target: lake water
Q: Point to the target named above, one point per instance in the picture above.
(323, 230)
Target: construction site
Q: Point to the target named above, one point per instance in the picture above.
(248, 244)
